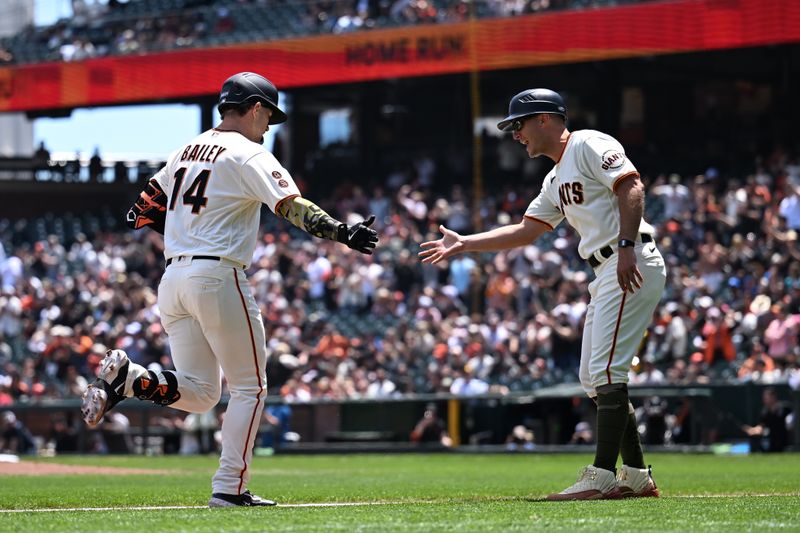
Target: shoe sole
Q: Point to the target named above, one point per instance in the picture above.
(218, 502)
(585, 495)
(650, 493)
(93, 405)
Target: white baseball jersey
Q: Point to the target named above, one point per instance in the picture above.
(581, 188)
(215, 186)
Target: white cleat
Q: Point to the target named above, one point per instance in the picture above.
(114, 383)
(636, 483)
(114, 370)
(593, 484)
(93, 405)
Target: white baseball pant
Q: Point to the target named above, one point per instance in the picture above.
(616, 321)
(213, 321)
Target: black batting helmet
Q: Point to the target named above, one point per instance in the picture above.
(532, 102)
(246, 86)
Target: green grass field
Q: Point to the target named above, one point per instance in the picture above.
(436, 492)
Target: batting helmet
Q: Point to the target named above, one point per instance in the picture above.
(531, 102)
(246, 86)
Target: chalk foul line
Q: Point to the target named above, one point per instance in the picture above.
(355, 504)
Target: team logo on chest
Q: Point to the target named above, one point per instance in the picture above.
(612, 159)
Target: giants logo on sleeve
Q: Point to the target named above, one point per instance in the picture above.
(612, 159)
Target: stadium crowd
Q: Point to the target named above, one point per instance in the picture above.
(342, 325)
(98, 28)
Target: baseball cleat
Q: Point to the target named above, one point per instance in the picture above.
(93, 404)
(636, 483)
(118, 371)
(246, 499)
(593, 484)
(113, 384)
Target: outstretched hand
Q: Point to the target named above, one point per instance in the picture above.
(449, 245)
(360, 237)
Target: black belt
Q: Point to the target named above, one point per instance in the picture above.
(608, 251)
(211, 257)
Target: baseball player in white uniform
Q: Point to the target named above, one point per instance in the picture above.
(207, 201)
(597, 189)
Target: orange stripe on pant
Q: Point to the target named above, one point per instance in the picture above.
(260, 385)
(616, 332)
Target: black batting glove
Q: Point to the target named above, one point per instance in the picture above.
(360, 237)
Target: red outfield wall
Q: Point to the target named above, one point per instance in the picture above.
(525, 41)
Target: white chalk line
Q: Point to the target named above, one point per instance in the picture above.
(168, 507)
(361, 504)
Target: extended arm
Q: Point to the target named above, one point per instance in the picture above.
(312, 219)
(150, 209)
(630, 193)
(502, 238)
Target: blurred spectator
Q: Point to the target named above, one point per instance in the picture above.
(64, 433)
(683, 421)
(14, 436)
(115, 431)
(95, 167)
(781, 335)
(72, 168)
(198, 433)
(648, 374)
(676, 334)
(121, 172)
(758, 367)
(674, 195)
(583, 434)
(651, 418)
(170, 425)
(790, 208)
(41, 160)
(771, 434)
(520, 438)
(717, 335)
(467, 384)
(380, 386)
(275, 428)
(431, 430)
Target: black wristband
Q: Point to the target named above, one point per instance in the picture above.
(341, 233)
(626, 243)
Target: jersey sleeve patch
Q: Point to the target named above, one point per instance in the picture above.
(612, 160)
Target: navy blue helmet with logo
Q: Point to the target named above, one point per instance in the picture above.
(532, 102)
(246, 86)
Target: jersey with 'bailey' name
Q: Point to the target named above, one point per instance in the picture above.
(215, 185)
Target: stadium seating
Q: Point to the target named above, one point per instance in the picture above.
(151, 26)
